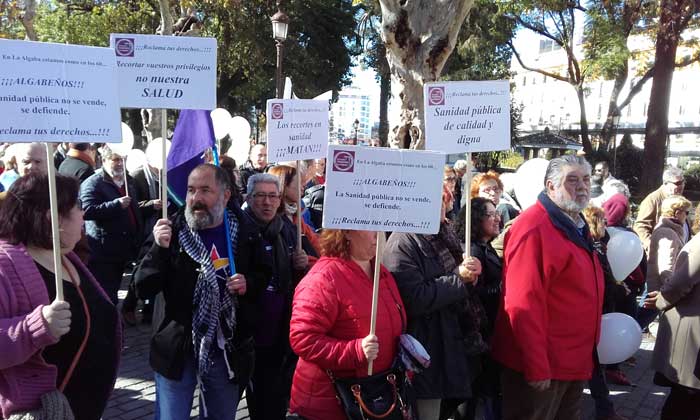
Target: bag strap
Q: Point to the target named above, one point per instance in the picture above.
(357, 393)
(76, 358)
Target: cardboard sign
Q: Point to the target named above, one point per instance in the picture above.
(381, 189)
(57, 92)
(465, 117)
(297, 129)
(173, 72)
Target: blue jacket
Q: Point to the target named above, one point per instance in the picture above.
(112, 236)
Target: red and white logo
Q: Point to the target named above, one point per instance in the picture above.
(277, 111)
(343, 161)
(124, 47)
(436, 95)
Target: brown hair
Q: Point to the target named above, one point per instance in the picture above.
(483, 177)
(334, 244)
(24, 212)
(595, 217)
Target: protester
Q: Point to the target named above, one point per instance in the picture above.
(31, 158)
(614, 292)
(317, 175)
(256, 164)
(189, 263)
(485, 222)
(549, 321)
(331, 320)
(287, 176)
(59, 155)
(229, 165)
(274, 360)
(40, 337)
(460, 167)
(80, 161)
(10, 173)
(112, 221)
(666, 240)
(602, 169)
(449, 180)
(677, 343)
(650, 209)
(488, 185)
(443, 311)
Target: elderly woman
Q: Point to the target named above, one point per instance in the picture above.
(40, 337)
(331, 320)
(677, 345)
(435, 283)
(666, 240)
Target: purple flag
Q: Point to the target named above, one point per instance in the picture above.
(194, 134)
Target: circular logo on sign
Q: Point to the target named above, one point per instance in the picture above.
(437, 96)
(125, 47)
(277, 111)
(343, 161)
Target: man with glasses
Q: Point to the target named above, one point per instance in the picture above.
(274, 361)
(112, 221)
(650, 209)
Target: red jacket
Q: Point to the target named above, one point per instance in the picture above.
(330, 317)
(548, 324)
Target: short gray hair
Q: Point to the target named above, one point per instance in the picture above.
(460, 165)
(671, 174)
(263, 179)
(555, 169)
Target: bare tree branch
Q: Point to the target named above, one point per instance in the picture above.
(540, 71)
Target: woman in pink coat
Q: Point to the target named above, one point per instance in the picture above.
(331, 320)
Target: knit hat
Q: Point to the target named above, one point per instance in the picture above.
(616, 209)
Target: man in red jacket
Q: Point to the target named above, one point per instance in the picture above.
(548, 325)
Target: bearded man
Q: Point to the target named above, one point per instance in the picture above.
(549, 322)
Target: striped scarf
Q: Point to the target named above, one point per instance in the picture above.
(208, 308)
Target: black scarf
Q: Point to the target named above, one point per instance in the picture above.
(281, 261)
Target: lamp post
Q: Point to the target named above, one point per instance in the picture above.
(280, 24)
(355, 125)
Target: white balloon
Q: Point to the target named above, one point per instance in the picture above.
(123, 148)
(239, 129)
(620, 337)
(154, 153)
(529, 181)
(221, 119)
(135, 160)
(239, 151)
(624, 254)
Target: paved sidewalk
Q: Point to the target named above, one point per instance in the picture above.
(134, 394)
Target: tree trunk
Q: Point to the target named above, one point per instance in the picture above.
(419, 36)
(28, 20)
(608, 130)
(583, 120)
(657, 114)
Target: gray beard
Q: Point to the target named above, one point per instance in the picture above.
(199, 222)
(569, 206)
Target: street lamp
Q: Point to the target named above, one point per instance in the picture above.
(280, 25)
(355, 125)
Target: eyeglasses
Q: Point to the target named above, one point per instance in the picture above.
(262, 196)
(490, 190)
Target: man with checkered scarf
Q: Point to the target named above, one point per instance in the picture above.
(205, 338)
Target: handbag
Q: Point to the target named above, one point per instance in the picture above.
(54, 404)
(387, 395)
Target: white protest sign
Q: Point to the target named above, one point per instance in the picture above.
(297, 129)
(465, 117)
(172, 72)
(57, 92)
(382, 189)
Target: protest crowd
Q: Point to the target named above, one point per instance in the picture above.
(239, 305)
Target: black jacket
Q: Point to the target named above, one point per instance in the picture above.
(75, 167)
(433, 300)
(489, 285)
(111, 234)
(173, 272)
(246, 171)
